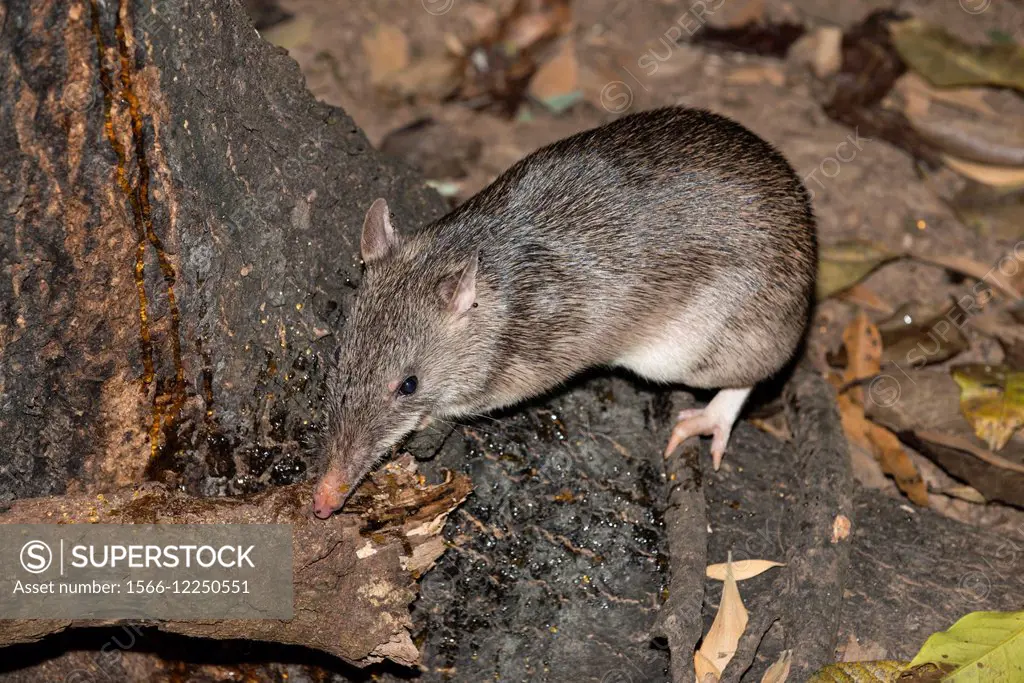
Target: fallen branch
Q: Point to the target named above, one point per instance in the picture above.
(680, 619)
(334, 611)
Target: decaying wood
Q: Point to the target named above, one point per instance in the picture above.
(396, 534)
(680, 617)
(819, 556)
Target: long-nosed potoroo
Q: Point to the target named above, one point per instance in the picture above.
(674, 243)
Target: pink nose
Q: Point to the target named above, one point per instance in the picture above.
(329, 495)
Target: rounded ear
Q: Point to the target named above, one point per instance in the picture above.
(459, 291)
(379, 236)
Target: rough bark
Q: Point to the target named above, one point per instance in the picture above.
(396, 531)
(685, 526)
(179, 246)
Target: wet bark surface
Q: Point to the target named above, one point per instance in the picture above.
(179, 247)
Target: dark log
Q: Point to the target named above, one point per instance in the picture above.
(685, 526)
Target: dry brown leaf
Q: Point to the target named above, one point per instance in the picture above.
(387, 52)
(290, 34)
(779, 671)
(526, 28)
(827, 57)
(706, 671)
(863, 353)
(969, 99)
(885, 447)
(723, 637)
(559, 77)
(862, 295)
(856, 651)
(777, 427)
(742, 570)
(989, 142)
(1006, 177)
(483, 21)
(896, 462)
(751, 12)
(965, 493)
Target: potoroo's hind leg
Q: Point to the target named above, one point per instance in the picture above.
(714, 420)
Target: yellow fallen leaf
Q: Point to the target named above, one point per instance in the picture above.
(982, 646)
(742, 570)
(944, 60)
(965, 493)
(779, 671)
(723, 637)
(992, 400)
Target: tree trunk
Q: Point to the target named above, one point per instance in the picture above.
(179, 246)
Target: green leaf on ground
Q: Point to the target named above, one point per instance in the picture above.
(982, 646)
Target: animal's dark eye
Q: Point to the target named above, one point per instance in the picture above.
(408, 386)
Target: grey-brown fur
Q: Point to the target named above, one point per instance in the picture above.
(673, 219)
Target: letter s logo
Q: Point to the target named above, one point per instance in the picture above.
(36, 557)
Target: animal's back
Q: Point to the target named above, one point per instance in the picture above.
(673, 231)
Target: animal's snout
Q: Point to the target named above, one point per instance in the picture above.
(330, 494)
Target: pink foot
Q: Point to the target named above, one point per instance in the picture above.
(714, 420)
(697, 422)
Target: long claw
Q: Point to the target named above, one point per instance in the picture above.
(691, 423)
(718, 442)
(715, 420)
